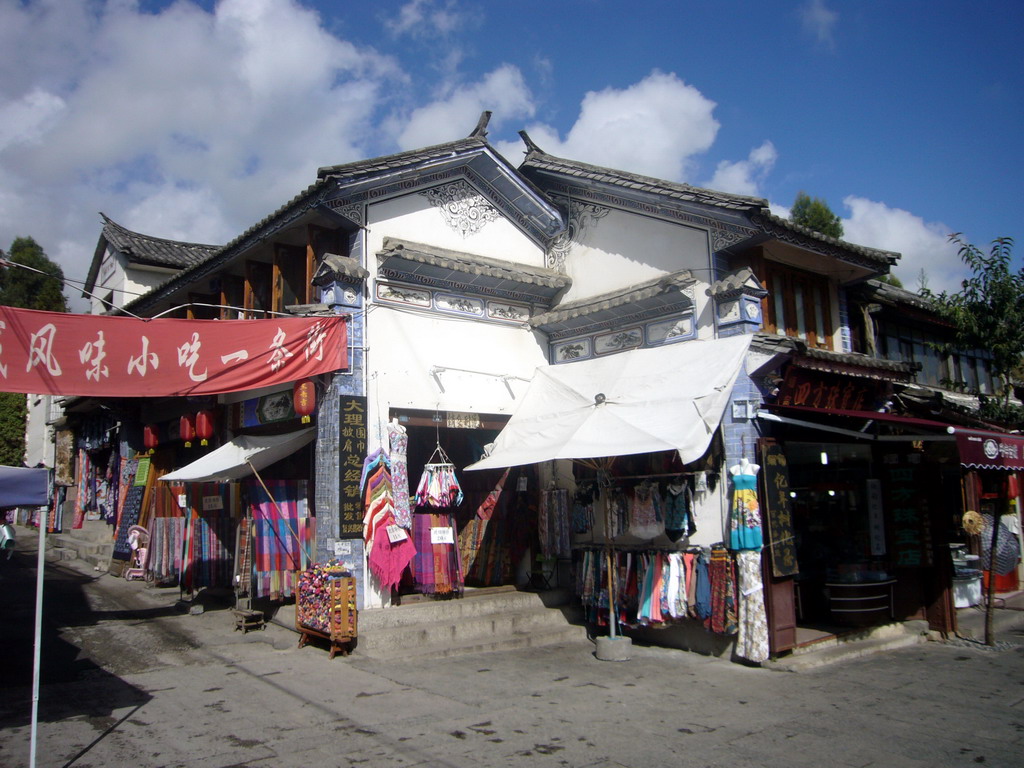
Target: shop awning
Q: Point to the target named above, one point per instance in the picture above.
(663, 398)
(978, 448)
(24, 487)
(240, 457)
(981, 449)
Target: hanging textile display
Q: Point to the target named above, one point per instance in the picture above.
(437, 569)
(82, 498)
(136, 476)
(167, 538)
(209, 538)
(483, 541)
(745, 516)
(722, 578)
(283, 538)
(645, 520)
(656, 588)
(398, 441)
(553, 524)
(438, 486)
(388, 545)
(752, 642)
(678, 509)
(583, 507)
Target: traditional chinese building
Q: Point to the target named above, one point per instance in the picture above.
(547, 368)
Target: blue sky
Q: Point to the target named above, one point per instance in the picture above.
(193, 120)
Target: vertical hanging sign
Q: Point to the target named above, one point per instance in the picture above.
(908, 516)
(778, 512)
(352, 451)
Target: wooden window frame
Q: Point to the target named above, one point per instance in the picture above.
(258, 284)
(808, 319)
(232, 294)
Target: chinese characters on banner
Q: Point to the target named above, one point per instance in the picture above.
(779, 516)
(813, 389)
(908, 516)
(352, 451)
(99, 356)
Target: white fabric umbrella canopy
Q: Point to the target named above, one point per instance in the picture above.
(239, 457)
(663, 398)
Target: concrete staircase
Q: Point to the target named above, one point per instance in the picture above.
(93, 543)
(483, 620)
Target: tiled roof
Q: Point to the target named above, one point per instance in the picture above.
(886, 293)
(350, 172)
(430, 265)
(147, 250)
(541, 161)
(664, 294)
(755, 207)
(787, 230)
(848, 363)
(158, 251)
(472, 265)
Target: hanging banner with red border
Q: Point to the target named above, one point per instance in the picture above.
(100, 356)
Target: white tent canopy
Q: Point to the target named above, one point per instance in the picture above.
(663, 398)
(240, 457)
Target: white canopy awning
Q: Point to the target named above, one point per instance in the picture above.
(240, 457)
(663, 398)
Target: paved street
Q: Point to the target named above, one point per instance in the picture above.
(129, 679)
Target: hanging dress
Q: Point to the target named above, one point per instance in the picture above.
(745, 518)
(752, 640)
(398, 441)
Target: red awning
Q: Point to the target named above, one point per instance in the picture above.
(978, 448)
(890, 418)
(981, 449)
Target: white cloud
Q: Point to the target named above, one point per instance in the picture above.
(819, 22)
(184, 123)
(923, 245)
(654, 127)
(745, 176)
(426, 18)
(502, 91)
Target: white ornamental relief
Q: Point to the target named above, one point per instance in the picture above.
(463, 208)
(582, 217)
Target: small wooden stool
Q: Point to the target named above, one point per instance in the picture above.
(247, 619)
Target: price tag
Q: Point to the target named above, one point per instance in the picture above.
(397, 533)
(442, 535)
(211, 503)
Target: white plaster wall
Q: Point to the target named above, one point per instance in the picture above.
(38, 435)
(413, 218)
(622, 249)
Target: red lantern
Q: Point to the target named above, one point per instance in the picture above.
(150, 436)
(204, 426)
(187, 429)
(304, 399)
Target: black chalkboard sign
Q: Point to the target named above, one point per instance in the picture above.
(778, 514)
(352, 429)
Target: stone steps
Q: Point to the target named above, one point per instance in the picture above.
(852, 646)
(484, 620)
(93, 543)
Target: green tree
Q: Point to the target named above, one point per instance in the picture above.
(28, 280)
(31, 281)
(815, 214)
(987, 313)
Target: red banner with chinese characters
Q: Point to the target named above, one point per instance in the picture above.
(101, 356)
